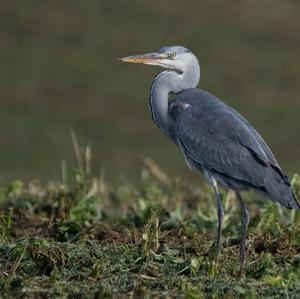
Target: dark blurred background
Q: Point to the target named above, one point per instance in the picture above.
(59, 71)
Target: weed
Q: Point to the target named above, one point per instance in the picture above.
(6, 223)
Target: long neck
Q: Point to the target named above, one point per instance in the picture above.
(169, 82)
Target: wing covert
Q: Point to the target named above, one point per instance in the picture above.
(218, 140)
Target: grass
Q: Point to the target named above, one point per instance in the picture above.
(86, 240)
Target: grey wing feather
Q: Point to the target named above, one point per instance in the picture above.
(216, 137)
(217, 151)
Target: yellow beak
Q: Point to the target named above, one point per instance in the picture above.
(149, 58)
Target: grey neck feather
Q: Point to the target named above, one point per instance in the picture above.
(170, 82)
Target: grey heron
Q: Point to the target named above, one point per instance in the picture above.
(213, 137)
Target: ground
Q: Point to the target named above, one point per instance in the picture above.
(88, 240)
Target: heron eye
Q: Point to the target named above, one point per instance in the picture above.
(172, 55)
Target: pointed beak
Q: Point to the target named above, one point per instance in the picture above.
(150, 58)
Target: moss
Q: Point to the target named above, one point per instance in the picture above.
(156, 240)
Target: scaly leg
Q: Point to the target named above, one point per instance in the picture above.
(220, 214)
(245, 222)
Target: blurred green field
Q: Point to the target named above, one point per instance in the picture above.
(59, 71)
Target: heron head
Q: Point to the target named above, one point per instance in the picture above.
(176, 58)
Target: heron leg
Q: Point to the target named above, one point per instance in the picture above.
(220, 214)
(245, 222)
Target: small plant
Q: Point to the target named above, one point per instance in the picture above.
(149, 235)
(6, 223)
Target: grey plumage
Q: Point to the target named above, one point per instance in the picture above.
(222, 143)
(213, 137)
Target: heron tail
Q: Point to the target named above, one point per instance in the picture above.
(278, 187)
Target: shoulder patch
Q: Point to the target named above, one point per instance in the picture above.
(176, 108)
